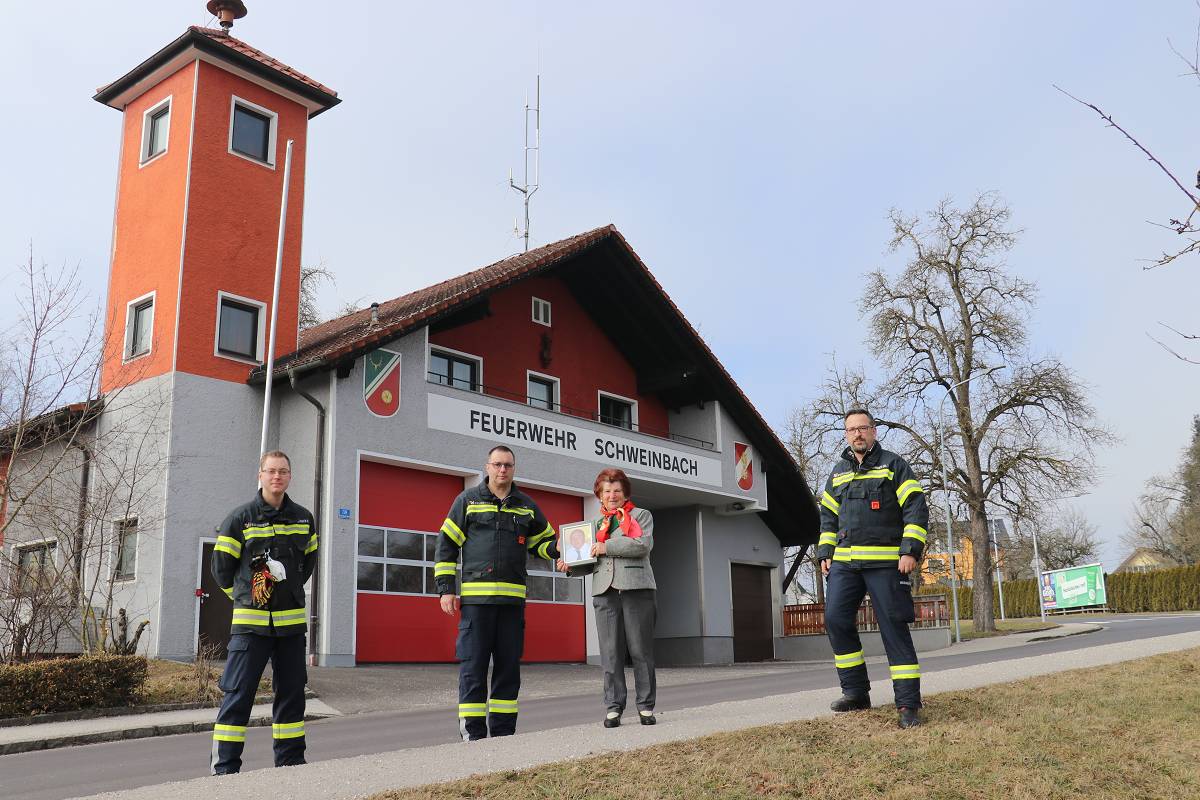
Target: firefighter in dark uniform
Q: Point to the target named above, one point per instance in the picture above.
(265, 552)
(493, 526)
(873, 530)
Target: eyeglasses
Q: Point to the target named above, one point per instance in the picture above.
(281, 472)
(860, 429)
(501, 464)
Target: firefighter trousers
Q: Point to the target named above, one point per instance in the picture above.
(248, 656)
(891, 597)
(489, 635)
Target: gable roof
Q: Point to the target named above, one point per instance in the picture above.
(220, 45)
(671, 359)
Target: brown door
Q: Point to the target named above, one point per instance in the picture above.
(752, 636)
(216, 610)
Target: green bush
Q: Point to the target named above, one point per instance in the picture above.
(1173, 589)
(70, 684)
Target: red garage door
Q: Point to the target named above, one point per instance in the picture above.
(398, 619)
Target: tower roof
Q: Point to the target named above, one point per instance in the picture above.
(217, 46)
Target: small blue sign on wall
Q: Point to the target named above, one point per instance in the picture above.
(343, 513)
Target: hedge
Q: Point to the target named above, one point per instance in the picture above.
(70, 684)
(1173, 589)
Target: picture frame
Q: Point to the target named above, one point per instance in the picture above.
(575, 542)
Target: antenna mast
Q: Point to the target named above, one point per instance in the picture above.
(528, 189)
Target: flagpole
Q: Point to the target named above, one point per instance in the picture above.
(283, 205)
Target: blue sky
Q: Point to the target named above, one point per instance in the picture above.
(749, 152)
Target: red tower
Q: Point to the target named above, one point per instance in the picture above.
(200, 179)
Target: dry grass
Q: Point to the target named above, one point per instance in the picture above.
(176, 682)
(1005, 627)
(1125, 732)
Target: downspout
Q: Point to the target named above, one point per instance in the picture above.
(85, 480)
(318, 494)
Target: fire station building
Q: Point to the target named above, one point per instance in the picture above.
(571, 354)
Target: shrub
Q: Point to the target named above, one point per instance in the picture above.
(70, 684)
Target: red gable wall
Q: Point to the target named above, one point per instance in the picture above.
(582, 357)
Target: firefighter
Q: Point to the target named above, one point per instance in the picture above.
(493, 526)
(265, 552)
(873, 530)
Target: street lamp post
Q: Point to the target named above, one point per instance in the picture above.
(996, 558)
(1037, 570)
(946, 492)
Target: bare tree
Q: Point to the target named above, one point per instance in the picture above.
(1014, 439)
(1187, 225)
(311, 279)
(68, 472)
(1166, 517)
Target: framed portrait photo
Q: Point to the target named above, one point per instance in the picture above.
(575, 542)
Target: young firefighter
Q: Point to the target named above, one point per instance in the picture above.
(493, 526)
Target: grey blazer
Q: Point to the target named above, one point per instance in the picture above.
(626, 563)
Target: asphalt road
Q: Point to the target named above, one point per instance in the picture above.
(89, 769)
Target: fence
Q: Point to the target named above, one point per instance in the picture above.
(932, 611)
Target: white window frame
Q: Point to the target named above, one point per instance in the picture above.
(555, 390)
(272, 135)
(437, 348)
(546, 305)
(143, 157)
(117, 531)
(633, 413)
(130, 313)
(261, 340)
(426, 566)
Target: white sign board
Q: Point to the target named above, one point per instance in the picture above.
(503, 426)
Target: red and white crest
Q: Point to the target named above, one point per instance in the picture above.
(743, 469)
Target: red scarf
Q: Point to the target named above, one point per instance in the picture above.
(624, 515)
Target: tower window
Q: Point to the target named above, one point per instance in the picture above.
(156, 125)
(541, 311)
(239, 327)
(252, 131)
(139, 326)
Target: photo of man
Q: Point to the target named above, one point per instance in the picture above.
(577, 544)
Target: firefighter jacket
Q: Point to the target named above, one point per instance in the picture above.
(874, 512)
(287, 535)
(494, 537)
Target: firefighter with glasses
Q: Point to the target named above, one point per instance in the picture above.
(494, 527)
(874, 522)
(266, 551)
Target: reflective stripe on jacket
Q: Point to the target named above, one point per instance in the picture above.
(288, 535)
(493, 538)
(874, 512)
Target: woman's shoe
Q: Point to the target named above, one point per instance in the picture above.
(612, 719)
(646, 717)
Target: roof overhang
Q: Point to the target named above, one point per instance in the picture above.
(194, 46)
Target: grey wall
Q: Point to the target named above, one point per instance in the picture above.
(676, 564)
(743, 538)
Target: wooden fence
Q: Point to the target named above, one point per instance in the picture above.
(932, 612)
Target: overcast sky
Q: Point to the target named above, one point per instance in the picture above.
(749, 152)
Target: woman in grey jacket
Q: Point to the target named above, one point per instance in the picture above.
(623, 594)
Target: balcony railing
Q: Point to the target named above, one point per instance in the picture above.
(932, 612)
(559, 408)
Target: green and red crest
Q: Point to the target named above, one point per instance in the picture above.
(381, 382)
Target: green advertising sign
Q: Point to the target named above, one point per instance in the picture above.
(1074, 587)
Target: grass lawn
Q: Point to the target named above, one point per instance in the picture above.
(1124, 732)
(1005, 626)
(176, 682)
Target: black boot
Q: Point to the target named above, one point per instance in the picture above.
(646, 717)
(851, 703)
(612, 720)
(909, 718)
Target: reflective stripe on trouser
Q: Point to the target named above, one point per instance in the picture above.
(489, 634)
(625, 624)
(844, 592)
(248, 656)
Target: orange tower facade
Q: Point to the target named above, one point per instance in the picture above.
(200, 182)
